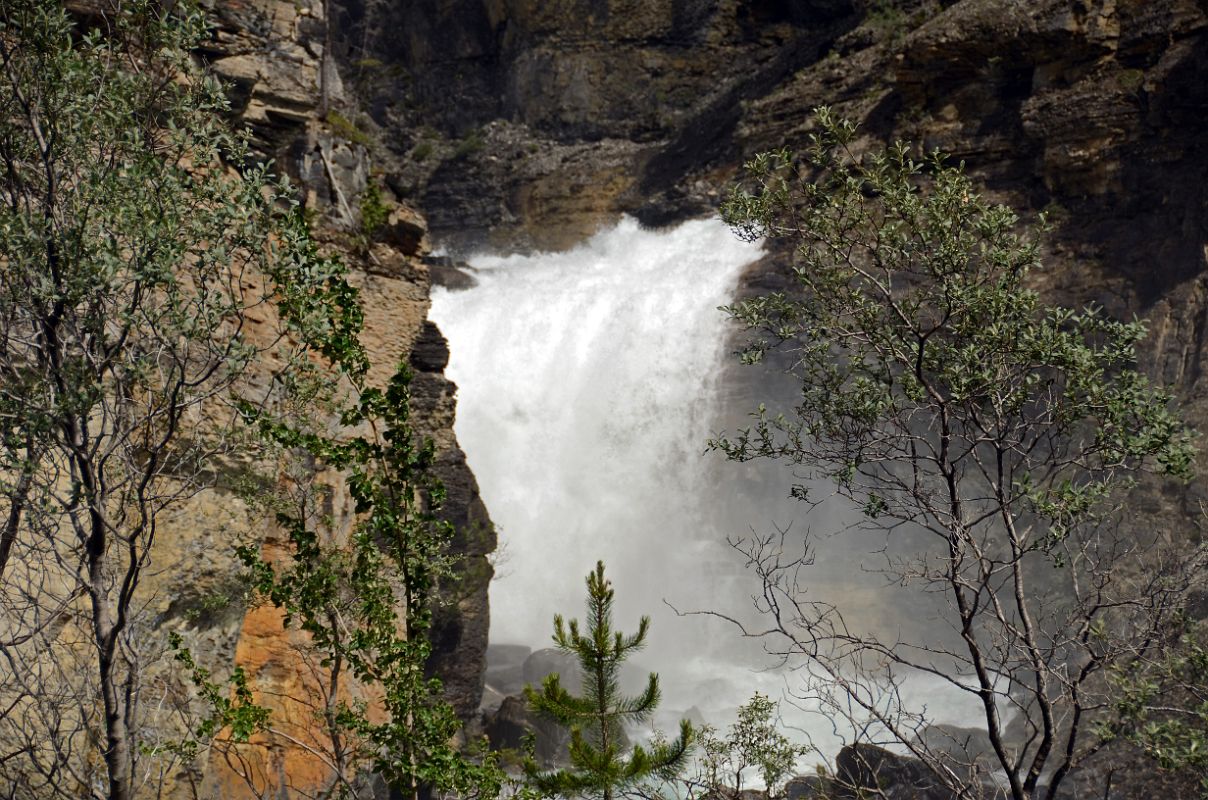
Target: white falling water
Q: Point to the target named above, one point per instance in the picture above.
(587, 385)
(586, 397)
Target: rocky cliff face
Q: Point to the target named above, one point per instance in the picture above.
(527, 124)
(524, 124)
(286, 88)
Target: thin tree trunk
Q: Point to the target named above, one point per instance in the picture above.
(12, 525)
(118, 748)
(117, 734)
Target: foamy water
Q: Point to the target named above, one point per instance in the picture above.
(587, 390)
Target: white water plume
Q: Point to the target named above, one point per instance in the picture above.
(588, 385)
(586, 397)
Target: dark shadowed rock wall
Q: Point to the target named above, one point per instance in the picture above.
(525, 124)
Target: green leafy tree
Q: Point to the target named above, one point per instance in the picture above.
(752, 746)
(161, 303)
(947, 402)
(366, 598)
(147, 268)
(1162, 708)
(600, 765)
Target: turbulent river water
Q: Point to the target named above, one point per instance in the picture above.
(589, 383)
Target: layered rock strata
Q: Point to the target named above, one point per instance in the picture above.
(286, 89)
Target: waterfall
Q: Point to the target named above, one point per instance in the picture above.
(586, 395)
(588, 386)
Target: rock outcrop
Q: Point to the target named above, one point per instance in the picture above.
(512, 725)
(527, 124)
(286, 89)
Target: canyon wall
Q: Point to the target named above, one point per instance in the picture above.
(523, 124)
(285, 87)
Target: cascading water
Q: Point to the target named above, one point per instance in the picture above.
(588, 384)
(586, 397)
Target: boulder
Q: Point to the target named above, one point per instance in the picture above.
(503, 655)
(808, 787)
(548, 661)
(864, 768)
(962, 744)
(492, 699)
(509, 725)
(505, 667)
(407, 230)
(451, 274)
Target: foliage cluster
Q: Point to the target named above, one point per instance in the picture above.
(753, 744)
(1162, 708)
(944, 399)
(469, 145)
(140, 241)
(374, 212)
(367, 603)
(231, 707)
(346, 129)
